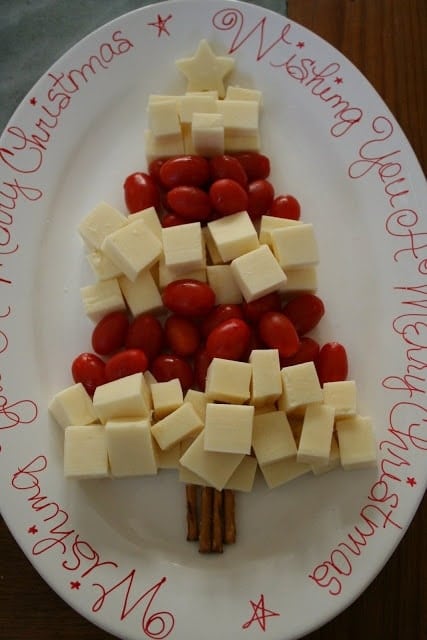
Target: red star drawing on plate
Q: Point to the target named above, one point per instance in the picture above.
(300, 44)
(160, 24)
(260, 614)
(33, 101)
(33, 530)
(75, 584)
(411, 481)
(338, 80)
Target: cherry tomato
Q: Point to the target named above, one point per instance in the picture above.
(172, 220)
(168, 366)
(89, 369)
(278, 332)
(191, 203)
(202, 361)
(308, 351)
(141, 192)
(252, 311)
(218, 314)
(228, 196)
(145, 332)
(192, 171)
(286, 207)
(109, 334)
(227, 167)
(126, 363)
(305, 312)
(256, 165)
(331, 363)
(154, 169)
(188, 297)
(261, 195)
(229, 340)
(182, 335)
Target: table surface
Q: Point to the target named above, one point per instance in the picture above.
(385, 39)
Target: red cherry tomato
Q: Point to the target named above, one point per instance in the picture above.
(192, 171)
(278, 332)
(89, 369)
(145, 332)
(261, 195)
(188, 297)
(218, 314)
(308, 351)
(168, 366)
(256, 165)
(227, 167)
(141, 192)
(125, 363)
(154, 169)
(252, 311)
(331, 363)
(172, 220)
(286, 207)
(202, 361)
(191, 203)
(182, 335)
(229, 340)
(109, 334)
(305, 312)
(228, 196)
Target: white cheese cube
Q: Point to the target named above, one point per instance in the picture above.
(240, 117)
(319, 468)
(151, 219)
(295, 246)
(228, 428)
(221, 280)
(167, 396)
(199, 401)
(192, 103)
(242, 93)
(300, 281)
(163, 147)
(99, 223)
(141, 294)
(130, 448)
(269, 223)
(278, 473)
(72, 406)
(257, 273)
(129, 397)
(153, 98)
(212, 252)
(168, 274)
(133, 248)
(236, 144)
(163, 117)
(233, 235)
(266, 385)
(102, 298)
(243, 477)
(316, 436)
(356, 441)
(341, 396)
(273, 439)
(102, 266)
(176, 426)
(228, 381)
(207, 134)
(85, 452)
(301, 386)
(168, 459)
(215, 468)
(187, 476)
(183, 247)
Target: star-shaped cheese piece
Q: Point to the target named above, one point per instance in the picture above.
(205, 71)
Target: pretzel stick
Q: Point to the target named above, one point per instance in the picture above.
(217, 523)
(191, 491)
(229, 517)
(205, 531)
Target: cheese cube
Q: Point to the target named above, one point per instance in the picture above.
(266, 385)
(130, 448)
(278, 473)
(228, 381)
(129, 396)
(272, 438)
(163, 147)
(301, 386)
(99, 223)
(242, 93)
(215, 468)
(151, 219)
(236, 144)
(192, 103)
(269, 223)
(163, 117)
(212, 256)
(167, 396)
(176, 426)
(341, 396)
(300, 281)
(315, 442)
(85, 452)
(183, 247)
(257, 273)
(168, 274)
(295, 246)
(319, 468)
(356, 441)
(132, 248)
(102, 298)
(233, 235)
(72, 406)
(102, 266)
(240, 117)
(199, 401)
(221, 280)
(228, 428)
(187, 476)
(168, 459)
(243, 477)
(207, 134)
(141, 294)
